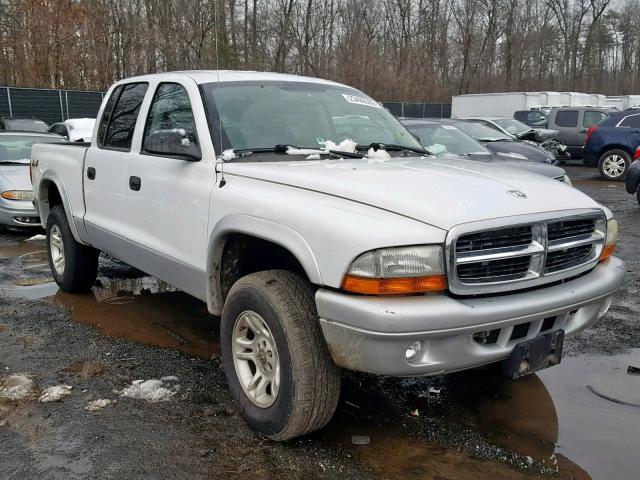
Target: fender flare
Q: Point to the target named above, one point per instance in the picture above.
(51, 177)
(257, 227)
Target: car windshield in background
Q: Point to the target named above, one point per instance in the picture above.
(441, 140)
(17, 148)
(481, 132)
(514, 127)
(26, 125)
(261, 115)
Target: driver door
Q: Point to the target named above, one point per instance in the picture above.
(170, 186)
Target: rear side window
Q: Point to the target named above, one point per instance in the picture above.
(124, 115)
(592, 117)
(567, 118)
(106, 115)
(632, 121)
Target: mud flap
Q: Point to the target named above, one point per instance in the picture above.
(536, 354)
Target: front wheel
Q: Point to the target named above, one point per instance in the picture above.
(613, 164)
(74, 266)
(275, 357)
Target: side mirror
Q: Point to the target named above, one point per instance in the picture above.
(173, 143)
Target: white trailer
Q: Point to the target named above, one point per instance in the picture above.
(505, 104)
(622, 102)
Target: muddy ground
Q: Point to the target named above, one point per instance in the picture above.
(578, 420)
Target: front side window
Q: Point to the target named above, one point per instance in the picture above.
(252, 115)
(567, 118)
(632, 121)
(171, 111)
(122, 121)
(593, 117)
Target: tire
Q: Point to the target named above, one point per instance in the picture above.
(613, 164)
(306, 395)
(78, 269)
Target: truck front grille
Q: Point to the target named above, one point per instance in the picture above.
(524, 255)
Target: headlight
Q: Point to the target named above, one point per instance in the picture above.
(17, 195)
(401, 270)
(612, 239)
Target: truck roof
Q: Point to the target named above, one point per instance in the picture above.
(211, 76)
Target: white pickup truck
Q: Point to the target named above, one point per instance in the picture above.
(323, 234)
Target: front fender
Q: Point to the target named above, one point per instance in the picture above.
(632, 180)
(274, 232)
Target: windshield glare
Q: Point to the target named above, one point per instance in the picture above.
(441, 140)
(512, 126)
(482, 132)
(16, 148)
(253, 115)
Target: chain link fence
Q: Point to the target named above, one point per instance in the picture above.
(49, 105)
(419, 110)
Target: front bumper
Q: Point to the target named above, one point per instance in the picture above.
(372, 334)
(21, 215)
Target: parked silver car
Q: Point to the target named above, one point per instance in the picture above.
(16, 192)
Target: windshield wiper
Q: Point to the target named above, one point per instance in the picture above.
(282, 149)
(392, 147)
(13, 162)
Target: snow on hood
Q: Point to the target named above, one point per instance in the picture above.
(15, 177)
(442, 192)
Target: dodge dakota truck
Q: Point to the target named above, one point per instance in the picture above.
(324, 236)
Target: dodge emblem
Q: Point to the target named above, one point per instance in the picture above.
(516, 193)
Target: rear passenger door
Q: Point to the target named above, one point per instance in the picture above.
(632, 123)
(105, 175)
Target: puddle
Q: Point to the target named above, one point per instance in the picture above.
(147, 311)
(23, 247)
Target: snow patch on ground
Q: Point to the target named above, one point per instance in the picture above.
(152, 390)
(99, 404)
(228, 155)
(36, 238)
(55, 393)
(16, 387)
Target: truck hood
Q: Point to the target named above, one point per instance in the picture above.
(15, 177)
(442, 192)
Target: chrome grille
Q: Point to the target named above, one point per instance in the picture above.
(510, 257)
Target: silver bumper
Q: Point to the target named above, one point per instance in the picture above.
(12, 216)
(372, 334)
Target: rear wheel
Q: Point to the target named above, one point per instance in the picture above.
(74, 266)
(613, 164)
(275, 357)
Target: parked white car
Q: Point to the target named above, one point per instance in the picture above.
(75, 129)
(315, 224)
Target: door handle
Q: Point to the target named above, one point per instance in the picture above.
(91, 173)
(135, 183)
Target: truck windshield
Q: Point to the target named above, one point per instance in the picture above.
(442, 140)
(260, 115)
(17, 148)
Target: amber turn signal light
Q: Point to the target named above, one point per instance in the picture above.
(394, 286)
(607, 251)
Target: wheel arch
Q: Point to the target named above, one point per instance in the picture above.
(51, 192)
(283, 242)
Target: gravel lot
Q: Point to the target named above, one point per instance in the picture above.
(555, 424)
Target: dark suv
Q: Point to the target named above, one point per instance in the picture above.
(611, 144)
